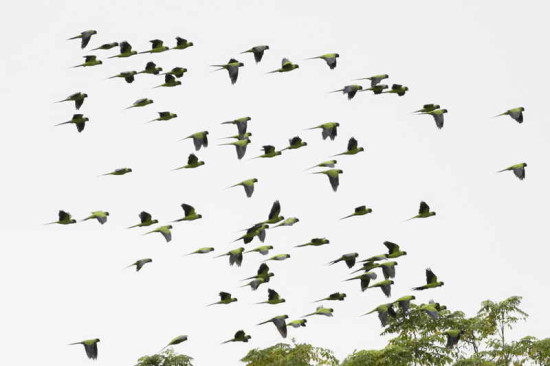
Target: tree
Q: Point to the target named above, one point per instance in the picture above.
(166, 358)
(283, 354)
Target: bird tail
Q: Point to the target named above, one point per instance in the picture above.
(336, 91)
(68, 39)
(267, 321)
(370, 312)
(503, 170)
(414, 217)
(64, 100)
(312, 58)
(62, 123)
(272, 72)
(49, 223)
(498, 115)
(227, 341)
(113, 56)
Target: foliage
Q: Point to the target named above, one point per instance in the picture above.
(165, 358)
(283, 354)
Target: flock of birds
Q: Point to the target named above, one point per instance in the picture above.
(384, 262)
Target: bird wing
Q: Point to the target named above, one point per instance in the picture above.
(144, 216)
(352, 144)
(233, 73)
(334, 182)
(125, 47)
(268, 149)
(258, 55)
(386, 289)
(424, 208)
(281, 326)
(192, 159)
(156, 43)
(392, 247)
(264, 269)
(519, 172)
(248, 189)
(64, 216)
(430, 276)
(224, 295)
(275, 210)
(438, 120)
(188, 209)
(272, 295)
(91, 350)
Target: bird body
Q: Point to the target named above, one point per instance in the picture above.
(359, 211)
(349, 90)
(383, 311)
(182, 43)
(128, 76)
(273, 298)
(151, 68)
(330, 129)
(145, 220)
(333, 177)
(279, 322)
(375, 79)
(240, 336)
(518, 169)
(337, 296)
(438, 116)
(321, 311)
(330, 59)
(90, 60)
(165, 231)
(235, 256)
(125, 50)
(352, 148)
(78, 120)
(286, 66)
(85, 37)
(225, 299)
(65, 218)
(100, 216)
(140, 263)
(120, 171)
(398, 89)
(431, 281)
(258, 52)
(423, 211)
(314, 242)
(192, 162)
(141, 103)
(248, 186)
(157, 46)
(78, 99)
(232, 68)
(515, 113)
(90, 346)
(348, 258)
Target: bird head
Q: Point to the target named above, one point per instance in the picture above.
(336, 55)
(442, 283)
(175, 115)
(337, 124)
(361, 149)
(240, 64)
(199, 216)
(521, 109)
(169, 226)
(106, 213)
(524, 164)
(86, 119)
(255, 180)
(433, 214)
(266, 47)
(404, 253)
(444, 111)
(283, 300)
(85, 95)
(270, 246)
(97, 339)
(155, 221)
(100, 62)
(129, 170)
(340, 171)
(73, 221)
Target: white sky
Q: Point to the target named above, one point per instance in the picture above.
(63, 284)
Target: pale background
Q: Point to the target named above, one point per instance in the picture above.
(63, 284)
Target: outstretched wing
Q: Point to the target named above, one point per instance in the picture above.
(352, 144)
(188, 209)
(424, 208)
(192, 159)
(144, 216)
(275, 210)
(430, 276)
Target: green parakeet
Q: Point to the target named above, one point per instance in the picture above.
(383, 311)
(169, 81)
(314, 242)
(106, 46)
(398, 89)
(164, 116)
(336, 296)
(78, 99)
(269, 152)
(140, 263)
(151, 68)
(453, 336)
(225, 298)
(182, 43)
(330, 129)
(200, 139)
(321, 311)
(141, 103)
(78, 120)
(428, 108)
(120, 171)
(365, 279)
(156, 46)
(100, 216)
(240, 336)
(288, 222)
(256, 230)
(375, 79)
(359, 211)
(90, 346)
(423, 211)
(232, 68)
(240, 146)
(273, 298)
(280, 323)
(263, 250)
(297, 323)
(274, 214)
(377, 89)
(431, 281)
(85, 37)
(125, 50)
(145, 219)
(258, 52)
(324, 164)
(128, 76)
(518, 169)
(349, 90)
(330, 59)
(248, 186)
(65, 218)
(89, 60)
(176, 71)
(190, 213)
(235, 256)
(348, 258)
(164, 231)
(295, 143)
(278, 257)
(515, 113)
(286, 66)
(438, 116)
(405, 302)
(385, 286)
(333, 177)
(192, 162)
(352, 148)
(202, 251)
(176, 340)
(241, 123)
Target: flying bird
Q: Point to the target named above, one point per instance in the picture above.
(190, 213)
(330, 59)
(428, 108)
(315, 242)
(274, 214)
(258, 52)
(349, 90)
(125, 50)
(85, 37)
(336, 296)
(375, 79)
(106, 46)
(263, 249)
(515, 113)
(192, 162)
(140, 263)
(269, 152)
(453, 336)
(176, 71)
(248, 186)
(164, 231)
(352, 148)
(174, 341)
(423, 211)
(78, 99)
(141, 103)
(225, 299)
(273, 298)
(156, 46)
(204, 250)
(321, 311)
(348, 258)
(397, 89)
(120, 171)
(64, 218)
(100, 216)
(89, 60)
(164, 116)
(78, 120)
(431, 281)
(151, 68)
(325, 164)
(518, 169)
(404, 303)
(200, 139)
(128, 76)
(288, 222)
(333, 177)
(90, 346)
(330, 129)
(240, 146)
(297, 323)
(438, 116)
(365, 279)
(359, 211)
(279, 322)
(385, 286)
(240, 336)
(232, 68)
(169, 82)
(235, 256)
(286, 66)
(241, 123)
(377, 89)
(182, 43)
(383, 311)
(278, 257)
(295, 143)
(145, 220)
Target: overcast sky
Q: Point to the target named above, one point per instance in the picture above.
(63, 284)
